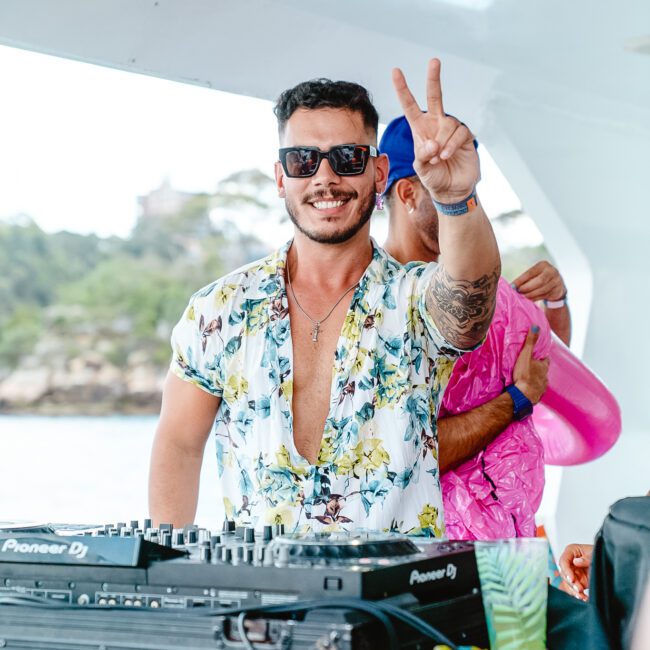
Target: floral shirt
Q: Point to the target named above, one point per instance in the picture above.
(377, 468)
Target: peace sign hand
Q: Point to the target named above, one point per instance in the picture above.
(446, 160)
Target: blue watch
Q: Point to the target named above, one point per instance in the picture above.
(523, 407)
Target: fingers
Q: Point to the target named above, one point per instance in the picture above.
(541, 281)
(434, 89)
(532, 272)
(458, 138)
(409, 105)
(531, 339)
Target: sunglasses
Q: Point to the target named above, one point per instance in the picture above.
(344, 159)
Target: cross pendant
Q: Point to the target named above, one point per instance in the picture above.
(314, 332)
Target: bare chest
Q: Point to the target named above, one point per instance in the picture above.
(313, 360)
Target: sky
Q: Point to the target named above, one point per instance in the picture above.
(79, 142)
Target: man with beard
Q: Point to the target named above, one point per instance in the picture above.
(322, 366)
(491, 456)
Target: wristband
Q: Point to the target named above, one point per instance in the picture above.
(557, 304)
(456, 209)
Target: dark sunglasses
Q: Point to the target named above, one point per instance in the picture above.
(344, 159)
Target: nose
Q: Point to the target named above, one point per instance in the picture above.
(325, 175)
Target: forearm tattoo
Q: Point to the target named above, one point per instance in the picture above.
(462, 310)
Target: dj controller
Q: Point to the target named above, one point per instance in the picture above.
(132, 585)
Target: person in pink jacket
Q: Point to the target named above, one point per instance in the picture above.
(491, 457)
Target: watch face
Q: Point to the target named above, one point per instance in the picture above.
(523, 412)
(523, 407)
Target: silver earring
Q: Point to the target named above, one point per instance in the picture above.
(379, 201)
(409, 208)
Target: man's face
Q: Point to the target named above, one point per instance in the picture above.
(327, 208)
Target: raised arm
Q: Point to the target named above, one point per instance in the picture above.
(462, 436)
(186, 419)
(462, 293)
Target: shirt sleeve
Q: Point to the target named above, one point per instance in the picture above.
(197, 348)
(424, 274)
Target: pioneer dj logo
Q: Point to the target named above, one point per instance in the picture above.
(76, 549)
(429, 576)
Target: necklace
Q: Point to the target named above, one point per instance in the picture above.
(316, 323)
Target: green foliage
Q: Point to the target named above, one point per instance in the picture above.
(119, 296)
(514, 589)
(33, 263)
(19, 333)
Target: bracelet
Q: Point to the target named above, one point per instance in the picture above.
(557, 304)
(456, 209)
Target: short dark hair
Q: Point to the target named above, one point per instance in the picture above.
(325, 93)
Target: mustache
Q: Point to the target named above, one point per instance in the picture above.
(331, 195)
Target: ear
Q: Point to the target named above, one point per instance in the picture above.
(279, 179)
(381, 173)
(405, 191)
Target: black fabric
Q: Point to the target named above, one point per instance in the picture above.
(573, 624)
(620, 567)
(620, 570)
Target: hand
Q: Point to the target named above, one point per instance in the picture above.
(446, 160)
(530, 376)
(541, 282)
(574, 567)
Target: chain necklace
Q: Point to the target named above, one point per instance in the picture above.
(316, 323)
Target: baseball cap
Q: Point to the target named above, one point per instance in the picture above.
(397, 144)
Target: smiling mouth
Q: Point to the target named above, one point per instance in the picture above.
(328, 205)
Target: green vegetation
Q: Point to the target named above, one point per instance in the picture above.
(117, 295)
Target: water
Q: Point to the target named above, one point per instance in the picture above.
(85, 470)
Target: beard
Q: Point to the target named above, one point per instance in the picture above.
(366, 209)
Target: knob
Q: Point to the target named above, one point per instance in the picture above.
(192, 536)
(229, 526)
(267, 534)
(166, 538)
(134, 523)
(249, 535)
(214, 540)
(260, 552)
(239, 532)
(205, 553)
(178, 538)
(147, 523)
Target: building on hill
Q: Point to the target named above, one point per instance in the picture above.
(164, 201)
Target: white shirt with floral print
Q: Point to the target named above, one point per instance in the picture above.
(377, 468)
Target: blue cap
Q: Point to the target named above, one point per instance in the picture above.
(397, 144)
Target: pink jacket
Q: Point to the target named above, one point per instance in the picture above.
(496, 493)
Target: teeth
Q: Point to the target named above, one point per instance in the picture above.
(326, 205)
